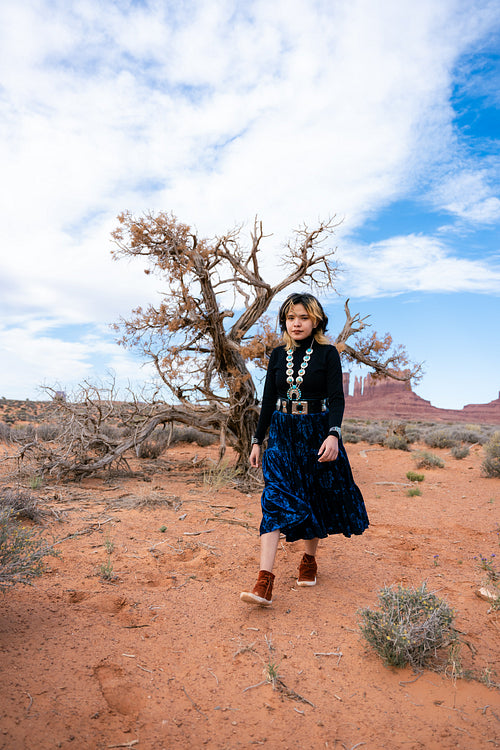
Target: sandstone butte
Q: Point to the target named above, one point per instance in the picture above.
(382, 398)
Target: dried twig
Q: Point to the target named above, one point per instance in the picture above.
(409, 682)
(250, 687)
(234, 522)
(195, 705)
(214, 675)
(244, 649)
(330, 653)
(197, 533)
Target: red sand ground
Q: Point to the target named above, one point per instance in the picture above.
(167, 656)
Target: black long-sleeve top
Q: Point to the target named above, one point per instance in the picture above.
(322, 380)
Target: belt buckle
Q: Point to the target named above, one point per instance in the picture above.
(295, 407)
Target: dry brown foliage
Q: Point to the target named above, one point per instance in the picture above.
(208, 328)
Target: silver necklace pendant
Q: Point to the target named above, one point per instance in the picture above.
(294, 390)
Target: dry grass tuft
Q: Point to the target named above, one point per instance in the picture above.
(411, 627)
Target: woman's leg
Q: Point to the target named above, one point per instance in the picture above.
(310, 546)
(262, 592)
(268, 546)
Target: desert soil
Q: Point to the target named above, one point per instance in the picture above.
(165, 655)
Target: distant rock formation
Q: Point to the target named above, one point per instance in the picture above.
(383, 398)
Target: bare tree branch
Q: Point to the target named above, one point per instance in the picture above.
(202, 361)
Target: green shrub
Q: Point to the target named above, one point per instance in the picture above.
(460, 451)
(491, 463)
(410, 628)
(426, 460)
(414, 491)
(412, 476)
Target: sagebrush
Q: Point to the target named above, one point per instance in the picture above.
(491, 463)
(412, 626)
(22, 550)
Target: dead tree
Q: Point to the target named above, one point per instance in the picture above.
(208, 327)
(200, 348)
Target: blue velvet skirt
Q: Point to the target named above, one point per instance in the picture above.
(303, 497)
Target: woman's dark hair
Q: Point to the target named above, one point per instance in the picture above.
(311, 305)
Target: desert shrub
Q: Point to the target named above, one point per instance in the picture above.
(489, 564)
(441, 438)
(491, 464)
(396, 442)
(351, 431)
(374, 434)
(460, 451)
(469, 434)
(490, 567)
(411, 627)
(221, 474)
(21, 504)
(113, 433)
(350, 437)
(154, 446)
(414, 492)
(47, 432)
(427, 460)
(413, 433)
(21, 551)
(150, 449)
(412, 476)
(23, 433)
(185, 434)
(5, 432)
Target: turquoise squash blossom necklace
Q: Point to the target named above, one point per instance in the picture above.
(294, 389)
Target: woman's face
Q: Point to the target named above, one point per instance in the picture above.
(298, 323)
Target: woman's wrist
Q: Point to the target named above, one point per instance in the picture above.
(335, 432)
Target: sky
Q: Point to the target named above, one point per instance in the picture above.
(385, 115)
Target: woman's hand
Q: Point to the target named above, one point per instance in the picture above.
(255, 456)
(329, 449)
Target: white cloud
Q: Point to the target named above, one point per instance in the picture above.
(219, 111)
(413, 263)
(470, 196)
(33, 355)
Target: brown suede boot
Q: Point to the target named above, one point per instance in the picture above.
(307, 571)
(262, 592)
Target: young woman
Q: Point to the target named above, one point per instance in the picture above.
(309, 490)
